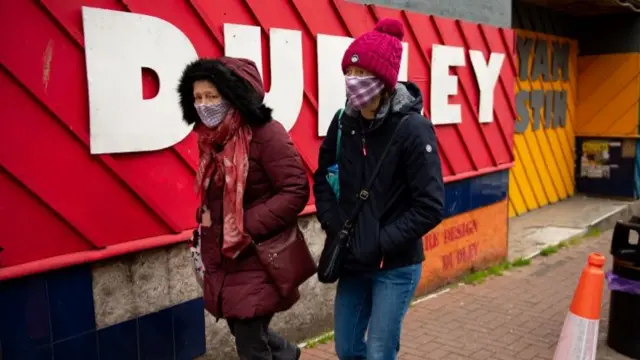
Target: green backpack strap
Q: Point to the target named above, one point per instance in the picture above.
(339, 137)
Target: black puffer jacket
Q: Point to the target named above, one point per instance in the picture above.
(407, 199)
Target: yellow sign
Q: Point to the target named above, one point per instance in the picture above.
(595, 147)
(472, 240)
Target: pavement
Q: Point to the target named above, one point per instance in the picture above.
(517, 316)
(531, 232)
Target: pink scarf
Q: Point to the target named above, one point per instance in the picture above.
(227, 168)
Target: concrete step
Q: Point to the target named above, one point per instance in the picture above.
(564, 220)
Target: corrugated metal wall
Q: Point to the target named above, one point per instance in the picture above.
(609, 76)
(609, 95)
(609, 103)
(84, 202)
(538, 19)
(544, 155)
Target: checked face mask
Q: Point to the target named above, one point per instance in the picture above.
(212, 114)
(361, 90)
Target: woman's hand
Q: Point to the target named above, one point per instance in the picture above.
(206, 218)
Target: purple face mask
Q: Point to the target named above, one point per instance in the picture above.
(361, 90)
(212, 114)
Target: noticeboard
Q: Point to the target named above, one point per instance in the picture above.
(605, 166)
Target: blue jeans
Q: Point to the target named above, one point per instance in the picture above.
(379, 302)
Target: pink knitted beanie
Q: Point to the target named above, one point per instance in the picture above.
(378, 51)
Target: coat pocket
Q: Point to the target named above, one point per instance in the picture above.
(365, 245)
(211, 292)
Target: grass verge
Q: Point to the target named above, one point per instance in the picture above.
(322, 339)
(550, 250)
(478, 277)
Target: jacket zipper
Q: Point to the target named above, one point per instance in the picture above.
(364, 146)
(224, 276)
(364, 152)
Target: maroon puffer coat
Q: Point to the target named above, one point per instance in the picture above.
(277, 190)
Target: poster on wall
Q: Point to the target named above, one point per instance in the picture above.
(606, 167)
(595, 162)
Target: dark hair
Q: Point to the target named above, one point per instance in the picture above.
(232, 87)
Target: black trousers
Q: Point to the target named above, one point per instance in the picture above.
(255, 341)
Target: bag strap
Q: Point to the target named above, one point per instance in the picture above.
(339, 137)
(364, 193)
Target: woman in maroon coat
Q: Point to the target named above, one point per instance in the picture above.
(252, 186)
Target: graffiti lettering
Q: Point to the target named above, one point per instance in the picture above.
(287, 73)
(460, 257)
(431, 241)
(550, 60)
(459, 231)
(553, 102)
(466, 254)
(119, 44)
(448, 235)
(444, 84)
(447, 261)
(543, 60)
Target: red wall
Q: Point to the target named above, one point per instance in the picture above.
(57, 199)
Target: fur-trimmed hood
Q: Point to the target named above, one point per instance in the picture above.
(237, 80)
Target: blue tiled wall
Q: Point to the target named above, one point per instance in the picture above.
(51, 316)
(466, 195)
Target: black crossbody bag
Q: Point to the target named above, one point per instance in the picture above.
(335, 250)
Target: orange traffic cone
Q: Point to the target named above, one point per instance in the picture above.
(579, 337)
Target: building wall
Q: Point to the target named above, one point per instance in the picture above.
(526, 16)
(608, 95)
(139, 306)
(609, 76)
(49, 83)
(149, 306)
(609, 34)
(493, 12)
(609, 106)
(546, 103)
(146, 303)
